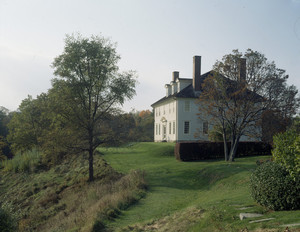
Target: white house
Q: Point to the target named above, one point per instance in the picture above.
(175, 115)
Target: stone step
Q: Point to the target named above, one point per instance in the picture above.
(250, 215)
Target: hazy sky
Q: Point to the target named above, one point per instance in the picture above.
(154, 37)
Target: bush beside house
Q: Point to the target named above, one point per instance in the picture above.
(273, 187)
(276, 185)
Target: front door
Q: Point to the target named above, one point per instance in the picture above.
(164, 132)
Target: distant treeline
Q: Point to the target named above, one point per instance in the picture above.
(32, 126)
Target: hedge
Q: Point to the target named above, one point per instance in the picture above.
(193, 151)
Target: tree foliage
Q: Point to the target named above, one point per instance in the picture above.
(236, 96)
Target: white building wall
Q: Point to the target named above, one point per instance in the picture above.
(189, 114)
(170, 117)
(165, 121)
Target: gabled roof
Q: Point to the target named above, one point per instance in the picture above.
(189, 92)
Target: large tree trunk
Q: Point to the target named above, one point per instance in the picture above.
(91, 168)
(233, 149)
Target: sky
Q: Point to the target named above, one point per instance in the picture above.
(154, 38)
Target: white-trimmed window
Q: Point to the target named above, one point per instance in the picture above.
(170, 128)
(158, 129)
(174, 127)
(187, 106)
(186, 129)
(205, 127)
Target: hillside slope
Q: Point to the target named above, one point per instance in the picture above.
(180, 196)
(61, 199)
(191, 196)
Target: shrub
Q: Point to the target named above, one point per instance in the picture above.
(8, 219)
(98, 226)
(273, 187)
(286, 151)
(6, 222)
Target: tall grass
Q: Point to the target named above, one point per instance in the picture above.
(92, 206)
(25, 162)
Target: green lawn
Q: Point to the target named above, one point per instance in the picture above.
(211, 190)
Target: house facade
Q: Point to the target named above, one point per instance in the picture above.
(176, 114)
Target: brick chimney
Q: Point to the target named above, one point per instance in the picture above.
(242, 71)
(197, 73)
(175, 76)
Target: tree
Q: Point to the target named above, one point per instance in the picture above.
(240, 90)
(89, 88)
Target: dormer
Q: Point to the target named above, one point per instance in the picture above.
(183, 83)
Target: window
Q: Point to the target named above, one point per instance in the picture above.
(174, 128)
(205, 127)
(187, 106)
(158, 129)
(186, 127)
(170, 128)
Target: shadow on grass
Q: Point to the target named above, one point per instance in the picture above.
(203, 178)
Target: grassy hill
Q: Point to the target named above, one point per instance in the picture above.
(190, 196)
(181, 196)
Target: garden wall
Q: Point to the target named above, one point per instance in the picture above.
(193, 151)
